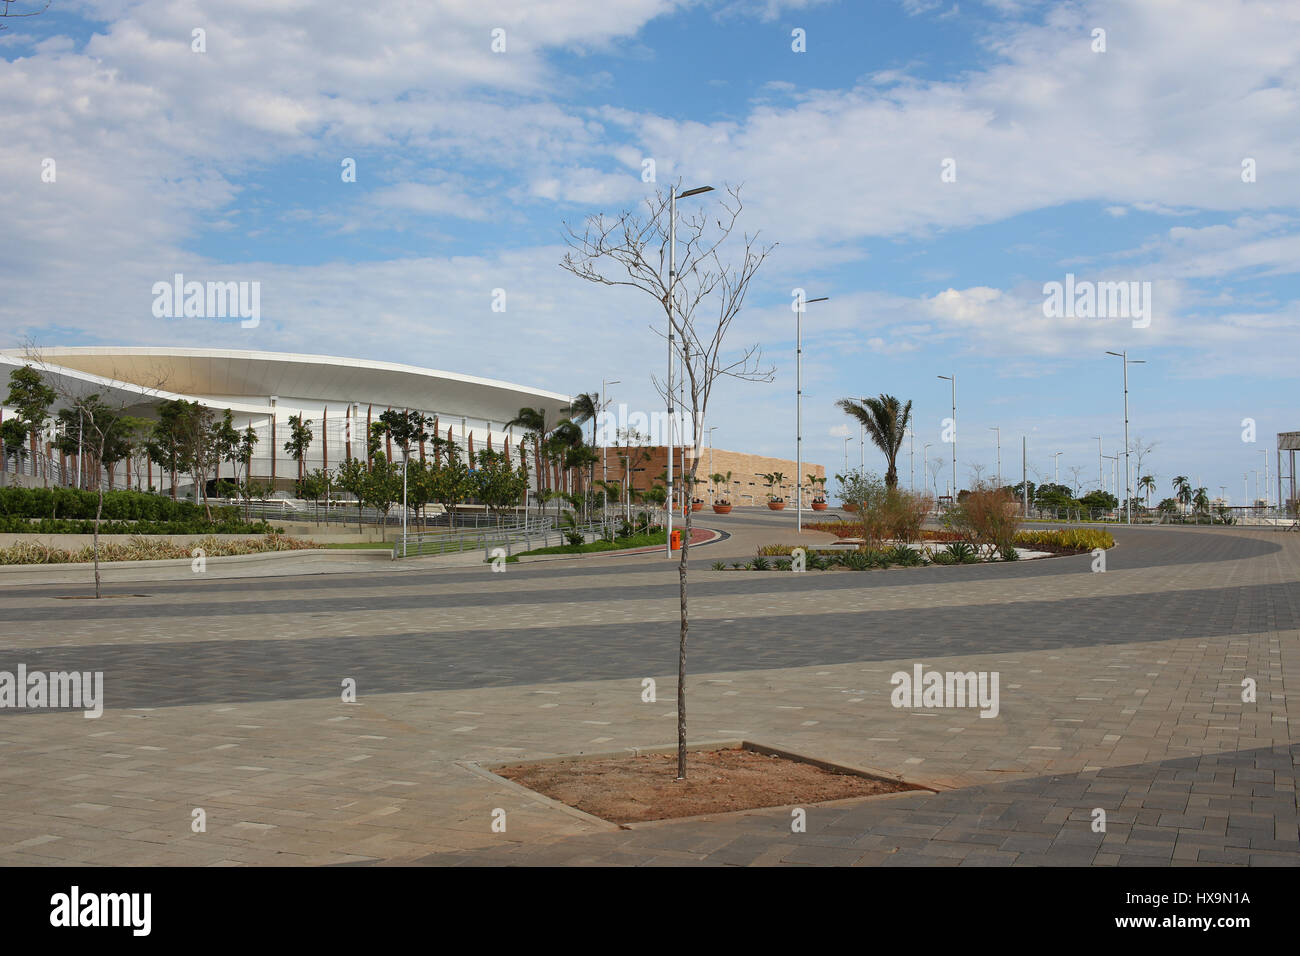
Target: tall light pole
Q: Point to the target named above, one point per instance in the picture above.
(672, 286)
(911, 460)
(995, 428)
(1264, 452)
(862, 448)
(798, 409)
(925, 464)
(712, 429)
(846, 454)
(1128, 478)
(406, 457)
(953, 490)
(1056, 463)
(604, 449)
(1101, 481)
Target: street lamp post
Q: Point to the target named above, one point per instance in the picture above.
(672, 284)
(953, 489)
(1128, 491)
(911, 460)
(798, 409)
(406, 457)
(995, 428)
(1264, 452)
(712, 489)
(604, 448)
(846, 453)
(925, 464)
(1056, 462)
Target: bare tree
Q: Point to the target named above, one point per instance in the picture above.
(104, 421)
(7, 10)
(1140, 448)
(936, 465)
(1075, 472)
(700, 305)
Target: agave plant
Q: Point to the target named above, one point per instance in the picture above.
(962, 552)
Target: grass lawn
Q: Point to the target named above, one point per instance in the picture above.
(354, 545)
(618, 544)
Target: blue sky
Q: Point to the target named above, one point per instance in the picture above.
(1122, 165)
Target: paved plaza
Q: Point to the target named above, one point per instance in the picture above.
(1120, 691)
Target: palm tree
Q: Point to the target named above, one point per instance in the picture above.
(885, 421)
(773, 479)
(586, 408)
(1182, 490)
(533, 422)
(719, 478)
(565, 439)
(1201, 501)
(1147, 482)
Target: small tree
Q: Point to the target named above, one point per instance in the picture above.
(383, 487)
(496, 484)
(352, 478)
(31, 397)
(451, 483)
(105, 431)
(632, 250)
(300, 436)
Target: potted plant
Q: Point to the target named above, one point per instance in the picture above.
(819, 492)
(721, 504)
(774, 501)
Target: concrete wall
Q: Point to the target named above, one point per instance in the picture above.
(746, 485)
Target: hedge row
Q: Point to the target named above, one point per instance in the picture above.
(11, 524)
(75, 503)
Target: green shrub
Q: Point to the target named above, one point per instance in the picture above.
(906, 512)
(942, 557)
(1009, 554)
(962, 553)
(1069, 539)
(783, 564)
(719, 566)
(907, 557)
(760, 564)
(986, 517)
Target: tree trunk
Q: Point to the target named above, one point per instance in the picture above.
(99, 510)
(681, 649)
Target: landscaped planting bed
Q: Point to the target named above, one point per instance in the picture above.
(1028, 544)
(147, 549)
(640, 787)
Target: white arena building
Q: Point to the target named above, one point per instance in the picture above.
(339, 396)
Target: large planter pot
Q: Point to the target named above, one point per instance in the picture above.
(722, 509)
(819, 506)
(776, 505)
(849, 507)
(697, 505)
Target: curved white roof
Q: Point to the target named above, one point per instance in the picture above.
(245, 380)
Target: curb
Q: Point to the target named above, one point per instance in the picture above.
(180, 562)
(653, 549)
